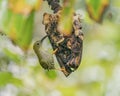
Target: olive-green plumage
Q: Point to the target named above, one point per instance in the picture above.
(45, 59)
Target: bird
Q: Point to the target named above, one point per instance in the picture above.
(46, 59)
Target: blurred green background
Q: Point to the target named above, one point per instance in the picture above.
(20, 72)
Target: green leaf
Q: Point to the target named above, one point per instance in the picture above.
(12, 55)
(6, 77)
(24, 6)
(67, 90)
(19, 28)
(51, 74)
(96, 8)
(65, 24)
(26, 32)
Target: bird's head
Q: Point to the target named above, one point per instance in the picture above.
(37, 45)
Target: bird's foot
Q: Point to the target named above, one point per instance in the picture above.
(63, 70)
(54, 51)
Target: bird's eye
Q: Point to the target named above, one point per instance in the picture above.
(80, 27)
(37, 43)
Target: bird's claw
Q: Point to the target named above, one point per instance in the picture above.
(54, 51)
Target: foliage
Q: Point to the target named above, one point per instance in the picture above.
(7, 77)
(20, 72)
(97, 8)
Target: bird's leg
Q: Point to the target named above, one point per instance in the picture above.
(57, 44)
(54, 51)
(61, 40)
(62, 69)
